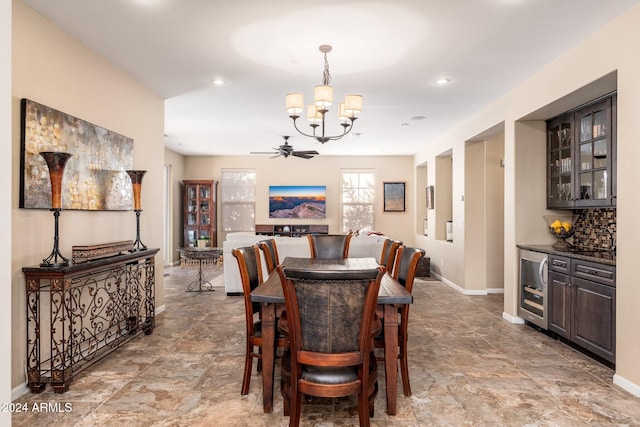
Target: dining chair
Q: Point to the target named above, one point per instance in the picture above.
(404, 272)
(330, 327)
(270, 251)
(388, 254)
(329, 246)
(250, 268)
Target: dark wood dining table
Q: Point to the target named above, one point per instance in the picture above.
(390, 296)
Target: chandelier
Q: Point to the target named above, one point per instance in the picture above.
(323, 98)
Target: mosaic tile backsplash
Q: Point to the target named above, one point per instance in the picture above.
(595, 228)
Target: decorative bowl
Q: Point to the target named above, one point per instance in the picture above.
(561, 227)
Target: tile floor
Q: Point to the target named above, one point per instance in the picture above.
(468, 367)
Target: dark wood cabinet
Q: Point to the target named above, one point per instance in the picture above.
(581, 157)
(200, 212)
(593, 315)
(582, 297)
(559, 297)
(560, 162)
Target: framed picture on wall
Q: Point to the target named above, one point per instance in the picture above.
(394, 196)
(430, 197)
(297, 201)
(94, 177)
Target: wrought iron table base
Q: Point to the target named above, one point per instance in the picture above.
(197, 285)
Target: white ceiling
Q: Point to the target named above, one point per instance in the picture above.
(391, 52)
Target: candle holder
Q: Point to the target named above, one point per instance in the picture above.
(136, 182)
(55, 162)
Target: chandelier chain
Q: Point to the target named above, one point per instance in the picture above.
(326, 77)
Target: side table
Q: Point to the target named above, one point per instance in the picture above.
(201, 255)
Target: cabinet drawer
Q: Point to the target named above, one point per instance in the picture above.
(561, 264)
(599, 273)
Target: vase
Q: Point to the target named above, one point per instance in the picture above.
(136, 183)
(56, 161)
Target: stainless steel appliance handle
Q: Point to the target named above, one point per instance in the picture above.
(541, 270)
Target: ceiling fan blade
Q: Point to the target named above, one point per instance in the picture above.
(302, 154)
(315, 153)
(264, 152)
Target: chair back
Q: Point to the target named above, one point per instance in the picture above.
(329, 246)
(406, 265)
(250, 268)
(270, 251)
(388, 255)
(328, 314)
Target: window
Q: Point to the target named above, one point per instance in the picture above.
(358, 196)
(238, 199)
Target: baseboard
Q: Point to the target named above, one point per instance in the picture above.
(160, 309)
(456, 287)
(626, 385)
(18, 391)
(495, 290)
(512, 319)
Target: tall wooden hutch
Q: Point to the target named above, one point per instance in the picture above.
(200, 212)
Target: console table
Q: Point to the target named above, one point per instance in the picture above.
(79, 313)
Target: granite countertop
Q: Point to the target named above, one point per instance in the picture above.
(603, 256)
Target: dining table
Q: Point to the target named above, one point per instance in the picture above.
(270, 296)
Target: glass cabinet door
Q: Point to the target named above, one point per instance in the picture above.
(594, 162)
(200, 212)
(560, 191)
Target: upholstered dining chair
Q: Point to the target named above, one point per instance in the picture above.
(331, 323)
(388, 255)
(328, 246)
(404, 272)
(251, 277)
(270, 251)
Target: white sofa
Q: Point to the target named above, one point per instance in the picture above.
(359, 247)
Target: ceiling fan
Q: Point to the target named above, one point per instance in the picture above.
(287, 150)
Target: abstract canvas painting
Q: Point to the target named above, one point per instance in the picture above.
(394, 197)
(94, 177)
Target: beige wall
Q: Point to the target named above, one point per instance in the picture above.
(563, 84)
(321, 170)
(6, 175)
(176, 163)
(54, 69)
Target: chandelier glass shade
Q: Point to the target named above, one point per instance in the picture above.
(322, 99)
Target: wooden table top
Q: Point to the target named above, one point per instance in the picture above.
(391, 291)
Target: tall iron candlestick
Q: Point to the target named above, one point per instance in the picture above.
(136, 182)
(55, 162)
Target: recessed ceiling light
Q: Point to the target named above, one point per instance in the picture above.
(415, 118)
(442, 81)
(217, 82)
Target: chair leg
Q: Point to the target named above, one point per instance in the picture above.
(404, 367)
(286, 393)
(248, 365)
(295, 408)
(259, 367)
(364, 408)
(372, 400)
(246, 379)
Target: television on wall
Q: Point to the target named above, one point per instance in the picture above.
(297, 201)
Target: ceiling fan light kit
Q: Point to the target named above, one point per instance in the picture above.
(322, 99)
